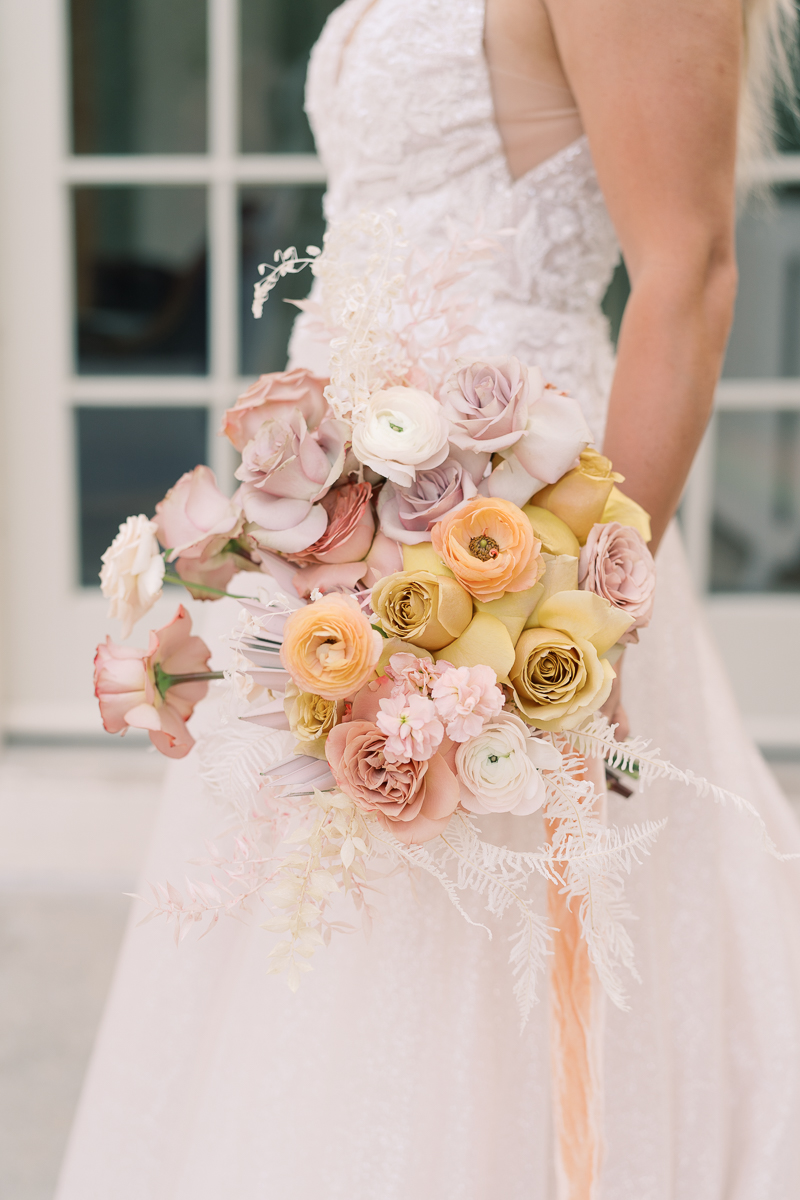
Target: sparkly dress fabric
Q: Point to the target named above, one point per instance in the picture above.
(398, 1071)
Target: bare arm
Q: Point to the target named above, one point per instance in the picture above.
(657, 85)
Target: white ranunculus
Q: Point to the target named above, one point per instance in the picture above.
(499, 769)
(132, 575)
(402, 431)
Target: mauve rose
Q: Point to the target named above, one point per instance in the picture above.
(487, 401)
(414, 800)
(351, 527)
(407, 514)
(616, 564)
(285, 459)
(272, 396)
(195, 519)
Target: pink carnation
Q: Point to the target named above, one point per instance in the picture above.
(465, 698)
(412, 728)
(412, 675)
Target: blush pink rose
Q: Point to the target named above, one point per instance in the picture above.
(488, 400)
(413, 800)
(286, 469)
(126, 685)
(195, 519)
(616, 564)
(407, 514)
(351, 527)
(273, 396)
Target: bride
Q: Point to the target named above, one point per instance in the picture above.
(398, 1072)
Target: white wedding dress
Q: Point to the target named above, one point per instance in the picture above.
(398, 1072)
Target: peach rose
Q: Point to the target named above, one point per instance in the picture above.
(134, 690)
(329, 647)
(413, 800)
(273, 396)
(351, 527)
(490, 548)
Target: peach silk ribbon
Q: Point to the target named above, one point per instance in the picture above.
(576, 1016)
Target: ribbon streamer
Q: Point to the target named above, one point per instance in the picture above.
(576, 1039)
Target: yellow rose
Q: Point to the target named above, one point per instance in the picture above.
(560, 673)
(329, 647)
(311, 718)
(485, 642)
(555, 536)
(429, 610)
(621, 508)
(581, 495)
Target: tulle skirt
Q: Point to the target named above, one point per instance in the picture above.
(398, 1071)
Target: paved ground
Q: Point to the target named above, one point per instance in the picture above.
(74, 825)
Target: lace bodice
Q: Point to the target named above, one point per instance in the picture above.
(400, 101)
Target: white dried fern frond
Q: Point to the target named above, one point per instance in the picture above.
(596, 739)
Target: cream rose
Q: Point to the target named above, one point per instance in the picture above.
(132, 575)
(402, 430)
(499, 769)
(429, 610)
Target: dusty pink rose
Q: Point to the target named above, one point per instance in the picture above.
(351, 527)
(412, 727)
(411, 674)
(126, 685)
(465, 698)
(487, 401)
(616, 564)
(413, 800)
(408, 513)
(195, 519)
(273, 396)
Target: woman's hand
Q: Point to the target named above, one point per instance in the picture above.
(657, 88)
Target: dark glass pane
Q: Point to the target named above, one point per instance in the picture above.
(616, 298)
(276, 38)
(138, 76)
(274, 218)
(127, 460)
(765, 339)
(141, 280)
(756, 511)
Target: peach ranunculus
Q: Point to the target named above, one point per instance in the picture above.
(490, 548)
(195, 519)
(351, 527)
(581, 495)
(329, 647)
(272, 396)
(135, 688)
(616, 564)
(413, 800)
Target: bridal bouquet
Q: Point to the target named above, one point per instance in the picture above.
(447, 573)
